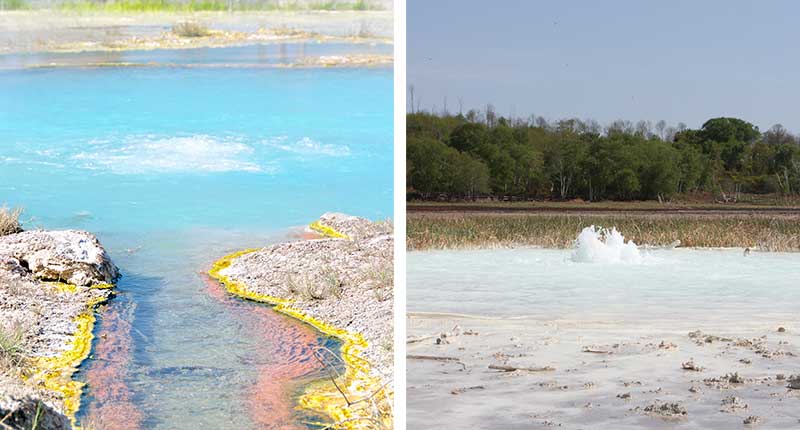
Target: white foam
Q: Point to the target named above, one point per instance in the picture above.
(308, 146)
(600, 245)
(150, 154)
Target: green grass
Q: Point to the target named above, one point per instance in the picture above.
(144, 6)
(13, 356)
(453, 230)
(11, 341)
(337, 5)
(14, 5)
(35, 424)
(124, 6)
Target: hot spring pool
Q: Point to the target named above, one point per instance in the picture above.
(172, 168)
(547, 283)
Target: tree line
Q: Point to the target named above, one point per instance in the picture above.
(477, 154)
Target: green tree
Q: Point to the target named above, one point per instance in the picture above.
(729, 129)
(468, 137)
(626, 183)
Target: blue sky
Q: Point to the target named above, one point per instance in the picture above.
(614, 59)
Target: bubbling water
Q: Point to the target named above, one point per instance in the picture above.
(601, 245)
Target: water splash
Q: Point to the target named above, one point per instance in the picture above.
(309, 147)
(601, 245)
(154, 154)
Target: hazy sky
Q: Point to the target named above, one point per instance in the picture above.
(674, 60)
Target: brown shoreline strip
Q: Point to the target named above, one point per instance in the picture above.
(687, 210)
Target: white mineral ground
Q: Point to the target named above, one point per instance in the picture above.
(344, 283)
(735, 372)
(52, 31)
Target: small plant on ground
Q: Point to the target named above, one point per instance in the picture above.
(35, 424)
(9, 220)
(191, 29)
(332, 284)
(328, 284)
(12, 349)
(11, 340)
(382, 294)
(380, 280)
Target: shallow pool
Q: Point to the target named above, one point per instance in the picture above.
(547, 283)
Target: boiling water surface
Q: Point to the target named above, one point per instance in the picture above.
(548, 283)
(173, 168)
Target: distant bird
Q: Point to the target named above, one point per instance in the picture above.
(746, 252)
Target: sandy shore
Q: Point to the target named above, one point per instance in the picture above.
(689, 372)
(342, 285)
(46, 31)
(50, 284)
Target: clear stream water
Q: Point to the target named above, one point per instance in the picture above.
(173, 168)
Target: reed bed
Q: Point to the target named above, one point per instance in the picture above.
(493, 230)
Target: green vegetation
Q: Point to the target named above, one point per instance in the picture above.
(479, 155)
(452, 231)
(9, 220)
(11, 342)
(12, 350)
(14, 5)
(212, 5)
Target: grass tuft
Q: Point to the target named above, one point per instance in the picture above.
(9, 220)
(327, 285)
(11, 341)
(191, 29)
(12, 350)
(381, 281)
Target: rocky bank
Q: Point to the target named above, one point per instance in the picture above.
(343, 285)
(50, 283)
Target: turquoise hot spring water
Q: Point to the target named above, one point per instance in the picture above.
(173, 167)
